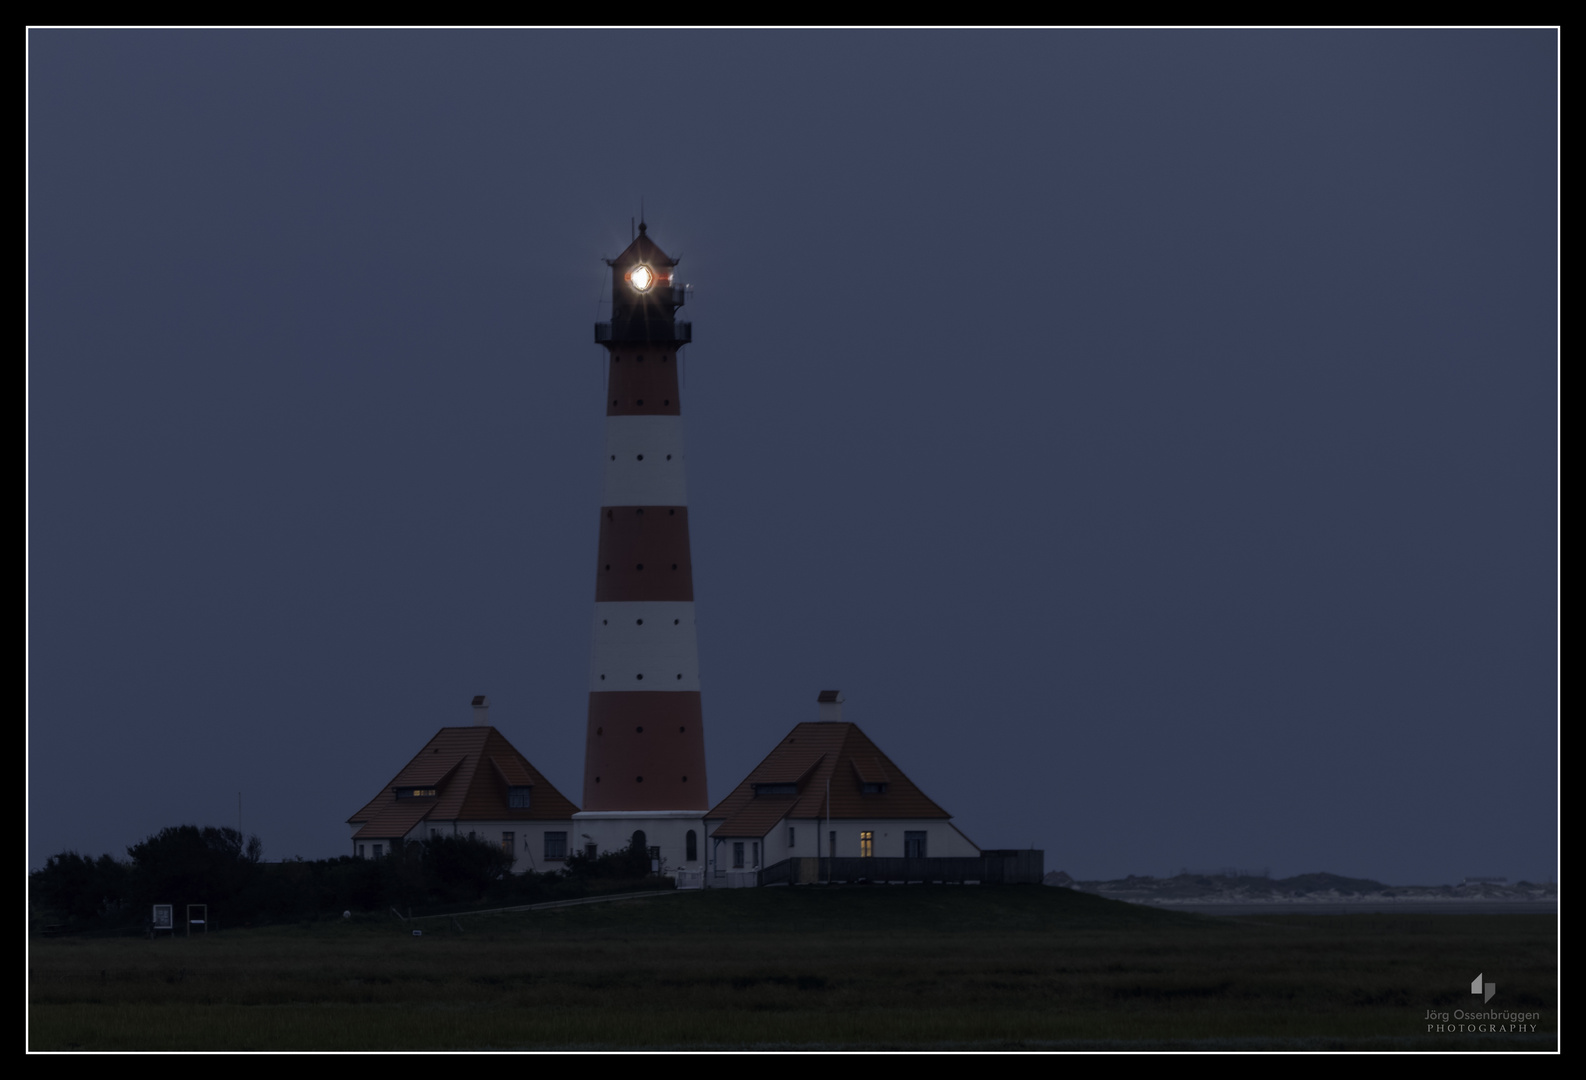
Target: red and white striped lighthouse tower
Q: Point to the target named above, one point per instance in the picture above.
(644, 757)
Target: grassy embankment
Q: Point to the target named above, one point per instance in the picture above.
(900, 967)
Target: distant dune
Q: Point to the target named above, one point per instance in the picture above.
(1302, 888)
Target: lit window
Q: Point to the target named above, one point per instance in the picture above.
(867, 845)
(509, 844)
(555, 846)
(415, 793)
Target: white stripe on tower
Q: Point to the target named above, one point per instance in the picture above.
(644, 461)
(644, 645)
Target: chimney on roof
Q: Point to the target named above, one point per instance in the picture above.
(481, 710)
(831, 703)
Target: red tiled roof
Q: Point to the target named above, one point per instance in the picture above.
(870, 771)
(513, 770)
(810, 755)
(471, 769)
(789, 769)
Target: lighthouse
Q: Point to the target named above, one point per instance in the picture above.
(644, 755)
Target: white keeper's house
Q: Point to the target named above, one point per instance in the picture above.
(470, 781)
(826, 790)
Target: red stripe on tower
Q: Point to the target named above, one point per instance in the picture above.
(645, 740)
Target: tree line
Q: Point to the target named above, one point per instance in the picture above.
(219, 867)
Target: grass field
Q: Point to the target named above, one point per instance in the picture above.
(949, 967)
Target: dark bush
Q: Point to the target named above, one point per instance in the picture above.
(185, 864)
(453, 867)
(74, 889)
(188, 864)
(632, 861)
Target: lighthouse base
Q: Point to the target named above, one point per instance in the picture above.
(672, 836)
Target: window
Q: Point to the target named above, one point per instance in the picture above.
(790, 836)
(737, 854)
(590, 851)
(518, 797)
(776, 789)
(691, 847)
(875, 789)
(555, 846)
(914, 845)
(756, 853)
(867, 845)
(378, 848)
(360, 851)
(415, 793)
(509, 844)
(831, 844)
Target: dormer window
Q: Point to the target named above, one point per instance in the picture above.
(776, 789)
(875, 789)
(518, 796)
(415, 793)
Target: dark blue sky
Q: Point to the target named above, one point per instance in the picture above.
(1153, 434)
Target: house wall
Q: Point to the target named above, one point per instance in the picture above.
(528, 841)
(942, 840)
